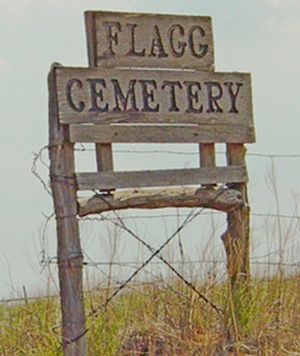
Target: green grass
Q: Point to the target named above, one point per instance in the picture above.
(27, 328)
(162, 319)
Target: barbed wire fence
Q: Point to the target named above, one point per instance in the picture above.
(181, 265)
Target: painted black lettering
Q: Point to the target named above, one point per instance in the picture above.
(112, 29)
(157, 45)
(233, 96)
(201, 51)
(69, 87)
(172, 85)
(96, 86)
(133, 51)
(178, 49)
(124, 100)
(193, 89)
(148, 87)
(214, 93)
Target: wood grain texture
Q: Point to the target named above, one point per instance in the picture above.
(105, 96)
(104, 157)
(64, 189)
(221, 199)
(160, 134)
(160, 178)
(236, 238)
(207, 157)
(90, 30)
(149, 40)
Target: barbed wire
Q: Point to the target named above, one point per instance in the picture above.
(155, 253)
(216, 213)
(133, 264)
(119, 222)
(141, 283)
(38, 157)
(188, 153)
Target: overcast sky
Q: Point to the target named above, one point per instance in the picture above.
(257, 36)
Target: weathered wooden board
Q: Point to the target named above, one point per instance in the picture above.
(98, 95)
(160, 134)
(184, 197)
(149, 40)
(160, 178)
(104, 156)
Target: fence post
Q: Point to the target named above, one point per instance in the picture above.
(70, 259)
(236, 241)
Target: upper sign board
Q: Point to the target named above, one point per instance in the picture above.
(149, 41)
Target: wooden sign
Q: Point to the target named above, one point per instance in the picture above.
(181, 100)
(149, 40)
(174, 106)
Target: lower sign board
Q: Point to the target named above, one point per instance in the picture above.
(123, 96)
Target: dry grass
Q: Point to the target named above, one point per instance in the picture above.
(161, 319)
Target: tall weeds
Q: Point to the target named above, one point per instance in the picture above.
(161, 315)
(163, 318)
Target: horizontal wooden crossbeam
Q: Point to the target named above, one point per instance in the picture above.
(161, 133)
(160, 178)
(220, 199)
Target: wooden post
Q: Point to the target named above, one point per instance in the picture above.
(104, 156)
(236, 242)
(236, 238)
(207, 157)
(63, 184)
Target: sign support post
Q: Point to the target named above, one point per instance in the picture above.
(70, 259)
(236, 240)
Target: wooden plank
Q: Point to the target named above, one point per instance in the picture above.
(87, 95)
(149, 40)
(220, 199)
(160, 178)
(160, 134)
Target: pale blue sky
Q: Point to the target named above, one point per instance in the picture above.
(257, 36)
